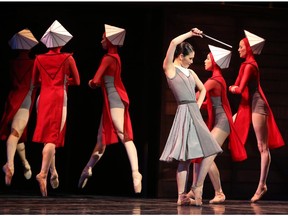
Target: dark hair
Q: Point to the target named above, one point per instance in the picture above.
(184, 48)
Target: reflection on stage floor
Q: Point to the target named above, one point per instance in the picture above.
(98, 205)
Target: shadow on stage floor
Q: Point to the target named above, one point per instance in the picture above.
(98, 205)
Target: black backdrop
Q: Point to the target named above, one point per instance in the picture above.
(142, 56)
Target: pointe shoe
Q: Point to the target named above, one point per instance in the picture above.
(137, 182)
(219, 198)
(27, 171)
(8, 174)
(198, 195)
(42, 184)
(190, 194)
(184, 200)
(85, 175)
(257, 196)
(54, 181)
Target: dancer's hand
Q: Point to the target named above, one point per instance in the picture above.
(197, 32)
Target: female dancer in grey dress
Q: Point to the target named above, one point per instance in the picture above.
(189, 136)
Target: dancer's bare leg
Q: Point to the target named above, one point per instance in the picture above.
(48, 153)
(203, 169)
(182, 178)
(117, 115)
(22, 154)
(54, 181)
(48, 158)
(214, 174)
(19, 123)
(261, 131)
(96, 155)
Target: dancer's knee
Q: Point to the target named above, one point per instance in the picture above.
(15, 133)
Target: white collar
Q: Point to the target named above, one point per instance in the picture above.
(183, 70)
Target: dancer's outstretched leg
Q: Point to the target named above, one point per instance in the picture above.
(96, 155)
(117, 115)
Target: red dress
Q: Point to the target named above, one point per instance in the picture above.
(53, 72)
(244, 114)
(109, 134)
(21, 75)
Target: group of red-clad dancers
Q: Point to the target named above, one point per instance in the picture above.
(191, 140)
(53, 73)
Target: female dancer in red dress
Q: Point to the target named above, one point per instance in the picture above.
(254, 106)
(115, 122)
(18, 106)
(54, 72)
(219, 119)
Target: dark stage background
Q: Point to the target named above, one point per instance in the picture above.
(150, 26)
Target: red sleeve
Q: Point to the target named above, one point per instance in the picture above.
(75, 79)
(248, 72)
(106, 62)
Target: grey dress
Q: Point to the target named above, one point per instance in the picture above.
(189, 137)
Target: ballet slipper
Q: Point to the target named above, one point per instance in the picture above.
(27, 171)
(41, 178)
(198, 195)
(137, 181)
(258, 196)
(54, 181)
(184, 200)
(190, 194)
(85, 175)
(8, 174)
(219, 198)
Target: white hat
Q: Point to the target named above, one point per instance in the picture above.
(256, 43)
(23, 40)
(221, 56)
(115, 35)
(56, 35)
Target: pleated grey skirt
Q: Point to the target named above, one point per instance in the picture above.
(189, 137)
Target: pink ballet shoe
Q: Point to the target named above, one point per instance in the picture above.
(190, 194)
(42, 184)
(54, 181)
(184, 200)
(8, 174)
(27, 171)
(258, 196)
(219, 198)
(85, 175)
(137, 182)
(198, 195)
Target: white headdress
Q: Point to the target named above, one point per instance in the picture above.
(56, 35)
(115, 35)
(256, 43)
(221, 56)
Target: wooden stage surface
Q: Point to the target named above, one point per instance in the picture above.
(113, 205)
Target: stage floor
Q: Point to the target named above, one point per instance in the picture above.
(100, 205)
